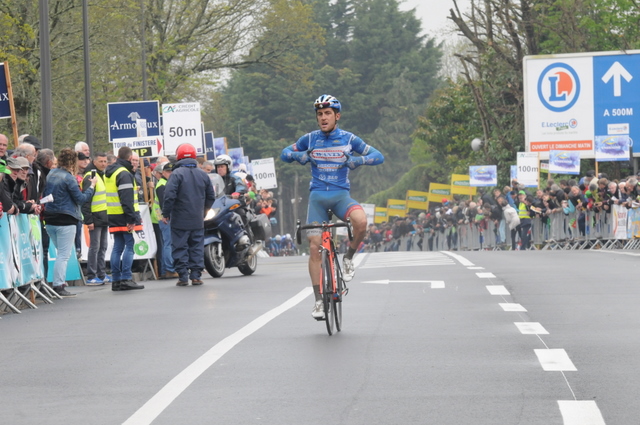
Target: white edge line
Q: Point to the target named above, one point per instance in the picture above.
(163, 398)
(460, 258)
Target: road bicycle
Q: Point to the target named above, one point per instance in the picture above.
(332, 286)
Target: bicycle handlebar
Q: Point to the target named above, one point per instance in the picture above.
(323, 225)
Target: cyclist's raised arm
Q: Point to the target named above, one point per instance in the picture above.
(370, 155)
(297, 151)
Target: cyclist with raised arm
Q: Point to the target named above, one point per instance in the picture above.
(331, 153)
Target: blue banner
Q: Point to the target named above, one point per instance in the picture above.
(564, 162)
(612, 148)
(483, 175)
(209, 147)
(5, 107)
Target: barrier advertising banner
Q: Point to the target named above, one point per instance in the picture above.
(417, 200)
(396, 207)
(438, 192)
(381, 215)
(461, 185)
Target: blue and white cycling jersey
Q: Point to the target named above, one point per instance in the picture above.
(329, 153)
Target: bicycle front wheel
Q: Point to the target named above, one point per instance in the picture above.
(337, 297)
(327, 292)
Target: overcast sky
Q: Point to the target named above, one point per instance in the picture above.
(434, 14)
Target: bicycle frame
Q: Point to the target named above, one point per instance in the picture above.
(333, 289)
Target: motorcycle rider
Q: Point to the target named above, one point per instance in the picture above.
(224, 165)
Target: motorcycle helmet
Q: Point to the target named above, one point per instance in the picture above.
(224, 159)
(327, 101)
(185, 150)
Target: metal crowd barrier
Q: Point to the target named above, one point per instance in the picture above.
(619, 229)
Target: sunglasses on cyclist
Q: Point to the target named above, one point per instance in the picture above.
(322, 105)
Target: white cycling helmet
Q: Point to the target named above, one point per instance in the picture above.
(223, 159)
(278, 238)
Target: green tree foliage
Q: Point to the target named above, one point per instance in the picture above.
(367, 53)
(188, 43)
(500, 33)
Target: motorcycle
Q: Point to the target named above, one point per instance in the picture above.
(227, 243)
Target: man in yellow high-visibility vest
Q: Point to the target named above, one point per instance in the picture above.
(97, 221)
(124, 219)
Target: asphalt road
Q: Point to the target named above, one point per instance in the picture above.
(429, 338)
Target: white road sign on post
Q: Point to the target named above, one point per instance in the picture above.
(528, 165)
(572, 99)
(181, 123)
(264, 173)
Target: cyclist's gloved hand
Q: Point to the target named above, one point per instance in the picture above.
(355, 161)
(301, 157)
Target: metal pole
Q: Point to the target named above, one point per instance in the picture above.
(143, 41)
(46, 101)
(88, 107)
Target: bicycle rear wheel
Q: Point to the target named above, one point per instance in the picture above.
(327, 293)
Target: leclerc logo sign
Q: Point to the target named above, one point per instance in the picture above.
(558, 87)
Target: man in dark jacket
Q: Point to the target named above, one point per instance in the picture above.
(124, 218)
(187, 197)
(97, 221)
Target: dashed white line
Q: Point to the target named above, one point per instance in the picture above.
(531, 328)
(485, 275)
(497, 290)
(555, 360)
(512, 307)
(580, 412)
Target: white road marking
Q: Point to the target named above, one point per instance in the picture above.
(476, 268)
(554, 360)
(485, 275)
(512, 307)
(156, 405)
(406, 259)
(497, 290)
(531, 328)
(435, 284)
(460, 258)
(580, 412)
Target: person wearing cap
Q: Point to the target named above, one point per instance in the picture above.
(168, 270)
(15, 185)
(96, 220)
(123, 211)
(32, 140)
(62, 214)
(187, 198)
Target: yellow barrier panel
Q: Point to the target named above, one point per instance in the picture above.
(438, 192)
(417, 200)
(380, 215)
(396, 207)
(460, 185)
